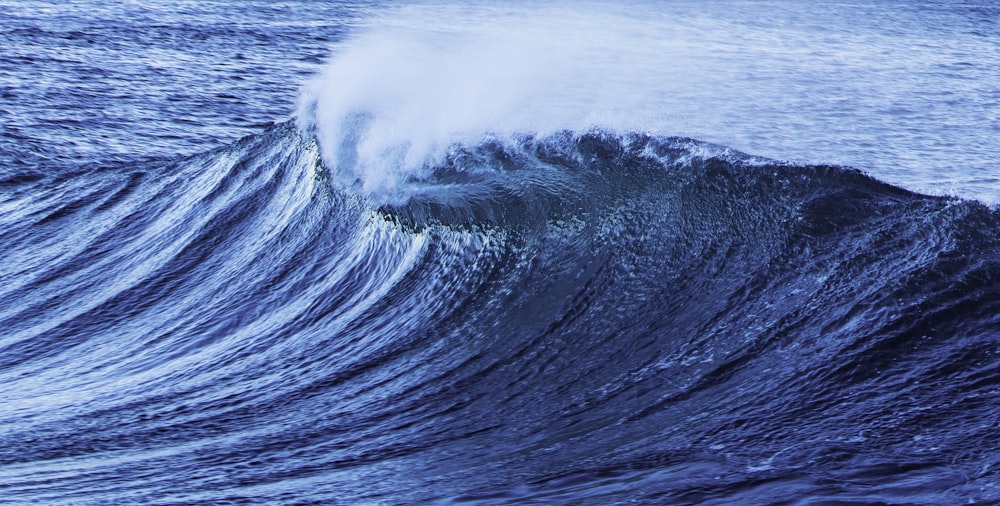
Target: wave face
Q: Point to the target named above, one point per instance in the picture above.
(578, 317)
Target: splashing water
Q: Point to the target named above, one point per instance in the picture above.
(420, 78)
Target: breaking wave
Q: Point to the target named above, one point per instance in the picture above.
(571, 317)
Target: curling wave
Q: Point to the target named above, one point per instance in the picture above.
(569, 317)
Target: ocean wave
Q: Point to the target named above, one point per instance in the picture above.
(572, 316)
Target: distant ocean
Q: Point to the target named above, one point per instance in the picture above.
(308, 252)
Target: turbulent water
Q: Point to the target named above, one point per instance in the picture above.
(306, 252)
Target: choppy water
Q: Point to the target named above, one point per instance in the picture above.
(307, 252)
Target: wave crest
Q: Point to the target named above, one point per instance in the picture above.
(399, 95)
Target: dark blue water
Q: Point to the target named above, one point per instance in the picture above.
(341, 253)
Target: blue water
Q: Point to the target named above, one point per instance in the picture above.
(499, 253)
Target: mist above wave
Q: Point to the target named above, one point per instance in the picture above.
(397, 96)
(803, 82)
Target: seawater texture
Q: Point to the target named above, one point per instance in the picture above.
(393, 254)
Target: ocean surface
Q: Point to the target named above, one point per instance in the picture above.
(644, 252)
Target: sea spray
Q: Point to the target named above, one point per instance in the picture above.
(400, 94)
(783, 82)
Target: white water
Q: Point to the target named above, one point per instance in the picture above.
(906, 92)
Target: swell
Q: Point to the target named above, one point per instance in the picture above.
(572, 317)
